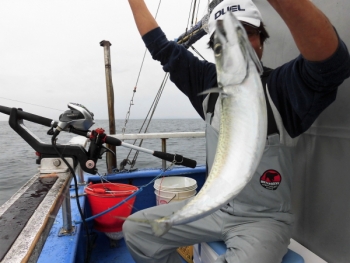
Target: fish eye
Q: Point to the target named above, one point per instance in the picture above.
(217, 49)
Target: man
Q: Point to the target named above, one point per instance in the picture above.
(256, 225)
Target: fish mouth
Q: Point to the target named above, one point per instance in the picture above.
(233, 51)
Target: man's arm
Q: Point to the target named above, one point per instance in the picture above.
(313, 33)
(144, 20)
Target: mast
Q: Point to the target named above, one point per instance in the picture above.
(111, 160)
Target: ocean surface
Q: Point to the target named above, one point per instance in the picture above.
(17, 158)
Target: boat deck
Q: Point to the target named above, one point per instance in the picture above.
(72, 248)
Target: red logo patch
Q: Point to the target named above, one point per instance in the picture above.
(270, 179)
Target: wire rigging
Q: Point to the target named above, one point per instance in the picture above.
(197, 11)
(151, 113)
(189, 16)
(137, 80)
(194, 7)
(197, 52)
(149, 116)
(193, 13)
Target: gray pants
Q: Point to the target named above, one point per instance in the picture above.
(248, 240)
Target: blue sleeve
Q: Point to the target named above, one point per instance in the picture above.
(302, 89)
(189, 74)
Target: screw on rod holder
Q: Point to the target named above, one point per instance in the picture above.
(105, 43)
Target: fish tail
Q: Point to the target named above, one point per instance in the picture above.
(160, 227)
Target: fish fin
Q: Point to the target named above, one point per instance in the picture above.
(160, 227)
(212, 90)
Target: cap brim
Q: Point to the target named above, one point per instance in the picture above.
(251, 21)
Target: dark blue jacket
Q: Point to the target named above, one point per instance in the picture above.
(300, 89)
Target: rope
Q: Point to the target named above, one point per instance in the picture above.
(126, 199)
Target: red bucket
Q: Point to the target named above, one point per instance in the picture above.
(106, 195)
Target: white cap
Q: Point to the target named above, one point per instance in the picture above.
(244, 10)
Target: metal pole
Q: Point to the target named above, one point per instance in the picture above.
(66, 212)
(67, 227)
(80, 173)
(164, 150)
(111, 160)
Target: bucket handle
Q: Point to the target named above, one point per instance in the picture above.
(110, 192)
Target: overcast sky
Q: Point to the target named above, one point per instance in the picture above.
(50, 56)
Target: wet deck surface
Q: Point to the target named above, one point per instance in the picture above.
(17, 215)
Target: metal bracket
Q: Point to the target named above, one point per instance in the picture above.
(54, 165)
(65, 232)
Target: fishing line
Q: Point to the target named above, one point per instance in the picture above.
(102, 182)
(149, 115)
(30, 104)
(126, 199)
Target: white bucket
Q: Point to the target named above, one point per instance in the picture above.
(162, 200)
(174, 189)
(175, 184)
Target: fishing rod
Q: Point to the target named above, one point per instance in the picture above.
(78, 120)
(200, 29)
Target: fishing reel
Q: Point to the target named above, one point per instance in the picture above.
(77, 120)
(78, 117)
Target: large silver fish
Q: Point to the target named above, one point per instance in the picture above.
(243, 126)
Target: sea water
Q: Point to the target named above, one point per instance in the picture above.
(18, 159)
